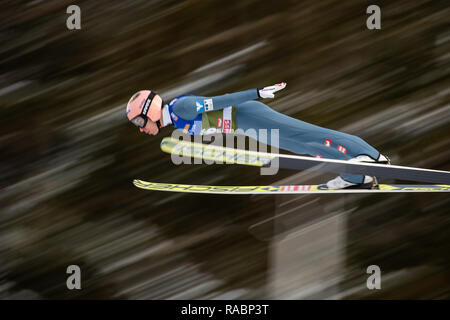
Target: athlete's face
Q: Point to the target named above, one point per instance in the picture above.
(151, 127)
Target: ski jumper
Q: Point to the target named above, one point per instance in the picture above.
(226, 113)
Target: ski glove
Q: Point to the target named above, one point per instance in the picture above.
(268, 92)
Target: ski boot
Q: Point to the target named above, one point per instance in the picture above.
(339, 183)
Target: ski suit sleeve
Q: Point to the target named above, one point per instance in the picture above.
(189, 107)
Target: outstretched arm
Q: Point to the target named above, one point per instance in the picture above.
(189, 107)
(206, 104)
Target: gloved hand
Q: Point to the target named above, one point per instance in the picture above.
(268, 92)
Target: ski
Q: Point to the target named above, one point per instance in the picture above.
(288, 189)
(218, 154)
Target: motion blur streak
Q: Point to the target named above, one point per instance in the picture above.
(69, 155)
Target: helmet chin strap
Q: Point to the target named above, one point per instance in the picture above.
(158, 124)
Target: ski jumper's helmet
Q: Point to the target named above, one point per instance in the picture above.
(143, 106)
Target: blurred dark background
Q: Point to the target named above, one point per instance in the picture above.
(69, 155)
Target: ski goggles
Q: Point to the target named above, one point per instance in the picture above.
(141, 120)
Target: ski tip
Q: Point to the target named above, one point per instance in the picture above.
(140, 184)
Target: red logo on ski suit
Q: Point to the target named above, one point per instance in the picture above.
(342, 149)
